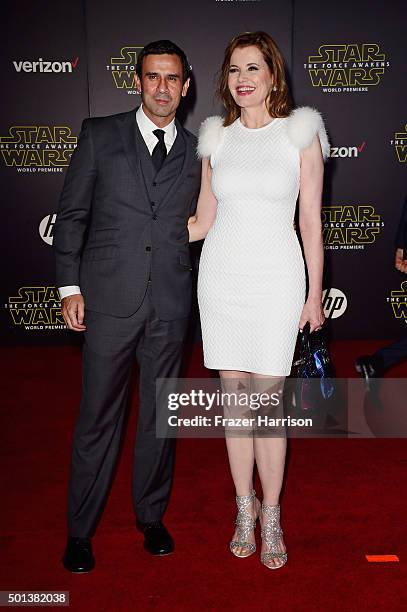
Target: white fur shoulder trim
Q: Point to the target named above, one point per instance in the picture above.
(303, 124)
(210, 136)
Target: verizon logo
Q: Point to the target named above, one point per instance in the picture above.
(45, 66)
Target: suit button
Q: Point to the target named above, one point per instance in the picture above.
(154, 184)
(153, 204)
(155, 217)
(148, 248)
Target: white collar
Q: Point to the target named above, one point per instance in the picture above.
(147, 126)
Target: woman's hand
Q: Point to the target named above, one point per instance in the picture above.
(312, 312)
(192, 220)
(400, 262)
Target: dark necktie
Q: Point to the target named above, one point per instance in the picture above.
(160, 151)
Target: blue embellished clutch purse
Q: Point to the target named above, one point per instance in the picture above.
(314, 362)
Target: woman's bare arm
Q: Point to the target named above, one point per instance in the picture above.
(199, 225)
(311, 183)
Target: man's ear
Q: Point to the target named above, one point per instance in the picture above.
(137, 83)
(185, 87)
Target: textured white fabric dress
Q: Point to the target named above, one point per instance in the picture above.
(251, 283)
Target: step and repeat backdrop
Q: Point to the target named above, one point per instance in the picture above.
(62, 63)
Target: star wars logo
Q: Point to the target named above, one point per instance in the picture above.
(399, 142)
(350, 227)
(36, 308)
(347, 68)
(398, 302)
(38, 148)
(123, 69)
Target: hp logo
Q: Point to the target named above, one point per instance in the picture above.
(46, 227)
(334, 303)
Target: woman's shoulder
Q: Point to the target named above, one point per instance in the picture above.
(303, 124)
(211, 133)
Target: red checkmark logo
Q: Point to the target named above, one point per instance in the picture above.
(74, 62)
(362, 146)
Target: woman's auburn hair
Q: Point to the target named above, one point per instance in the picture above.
(279, 102)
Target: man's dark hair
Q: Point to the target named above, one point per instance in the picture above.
(161, 47)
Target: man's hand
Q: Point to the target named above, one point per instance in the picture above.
(400, 263)
(73, 311)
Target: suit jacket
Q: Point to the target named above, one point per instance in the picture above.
(401, 235)
(117, 228)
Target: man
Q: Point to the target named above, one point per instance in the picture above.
(373, 366)
(124, 273)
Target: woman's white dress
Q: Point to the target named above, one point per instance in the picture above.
(251, 284)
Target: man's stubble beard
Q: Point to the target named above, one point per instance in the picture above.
(158, 110)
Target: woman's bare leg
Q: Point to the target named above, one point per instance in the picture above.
(270, 452)
(239, 443)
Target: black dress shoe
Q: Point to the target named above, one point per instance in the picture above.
(78, 557)
(157, 540)
(369, 367)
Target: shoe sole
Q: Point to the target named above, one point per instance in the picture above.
(163, 554)
(68, 569)
(276, 567)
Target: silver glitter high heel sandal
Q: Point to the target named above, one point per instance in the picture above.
(271, 534)
(245, 524)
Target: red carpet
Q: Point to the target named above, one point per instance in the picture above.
(342, 500)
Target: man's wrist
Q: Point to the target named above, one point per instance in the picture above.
(68, 290)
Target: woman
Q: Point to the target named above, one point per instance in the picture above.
(251, 286)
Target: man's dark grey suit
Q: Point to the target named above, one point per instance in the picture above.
(121, 235)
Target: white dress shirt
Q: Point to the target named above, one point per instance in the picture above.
(146, 127)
